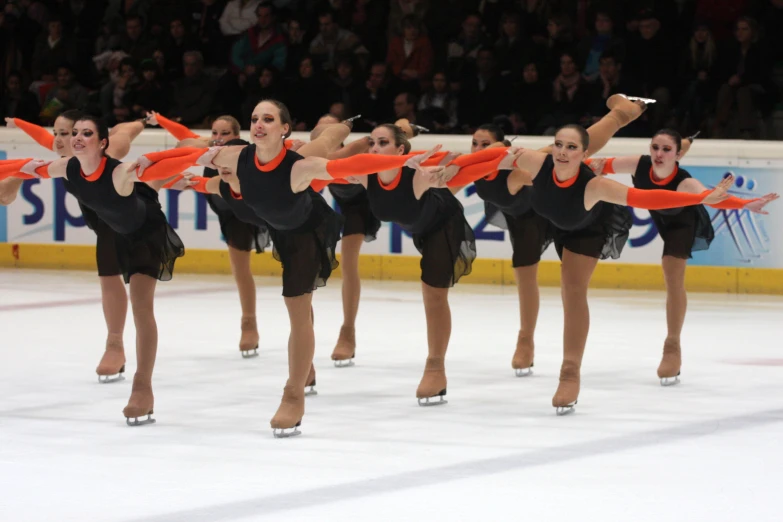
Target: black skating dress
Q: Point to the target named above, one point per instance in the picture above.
(355, 207)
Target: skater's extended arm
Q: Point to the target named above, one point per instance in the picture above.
(616, 165)
(756, 205)
(29, 168)
(603, 189)
(41, 136)
(177, 130)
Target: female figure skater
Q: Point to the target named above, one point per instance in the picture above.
(684, 230)
(241, 237)
(146, 246)
(590, 223)
(113, 296)
(530, 233)
(275, 183)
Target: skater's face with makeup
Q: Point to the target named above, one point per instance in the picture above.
(382, 141)
(481, 140)
(568, 149)
(84, 139)
(663, 151)
(222, 132)
(266, 124)
(62, 136)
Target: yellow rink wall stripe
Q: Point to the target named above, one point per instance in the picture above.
(406, 268)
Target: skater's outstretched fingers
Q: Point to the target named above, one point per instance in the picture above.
(152, 118)
(205, 160)
(720, 192)
(757, 205)
(32, 165)
(9, 122)
(597, 165)
(421, 158)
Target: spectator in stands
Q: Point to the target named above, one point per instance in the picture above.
(119, 12)
(206, 21)
(150, 94)
(330, 41)
(698, 82)
(24, 21)
(399, 10)
(113, 94)
(592, 47)
(18, 102)
(65, 95)
(376, 100)
(296, 47)
(560, 39)
(532, 101)
(462, 51)
(439, 105)
(512, 47)
(368, 21)
(344, 87)
(570, 95)
(133, 41)
(611, 81)
(238, 17)
(484, 95)
(176, 43)
(653, 53)
(721, 15)
(771, 16)
(309, 91)
(410, 55)
(81, 18)
(745, 80)
(262, 86)
(195, 92)
(262, 45)
(52, 49)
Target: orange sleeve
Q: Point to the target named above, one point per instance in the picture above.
(12, 169)
(662, 199)
(287, 143)
(168, 162)
(474, 172)
(173, 181)
(177, 130)
(363, 164)
(481, 156)
(201, 184)
(41, 136)
(608, 165)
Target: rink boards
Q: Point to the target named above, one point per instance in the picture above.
(43, 228)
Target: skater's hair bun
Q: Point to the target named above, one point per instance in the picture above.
(496, 132)
(584, 137)
(673, 134)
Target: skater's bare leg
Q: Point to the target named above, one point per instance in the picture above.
(529, 302)
(142, 297)
(576, 272)
(9, 188)
(351, 245)
(676, 306)
(115, 310)
(438, 313)
(240, 267)
(301, 346)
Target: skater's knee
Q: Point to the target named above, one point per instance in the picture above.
(434, 296)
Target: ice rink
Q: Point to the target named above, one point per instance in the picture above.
(707, 449)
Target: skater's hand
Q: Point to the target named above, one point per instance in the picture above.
(9, 122)
(30, 166)
(719, 193)
(597, 165)
(205, 160)
(509, 161)
(757, 205)
(152, 118)
(296, 145)
(435, 176)
(184, 183)
(140, 164)
(416, 161)
(448, 158)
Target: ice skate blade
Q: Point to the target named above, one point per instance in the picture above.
(343, 363)
(107, 379)
(310, 390)
(647, 101)
(565, 410)
(435, 400)
(247, 354)
(670, 381)
(284, 433)
(136, 422)
(523, 372)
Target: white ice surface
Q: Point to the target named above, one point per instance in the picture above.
(707, 449)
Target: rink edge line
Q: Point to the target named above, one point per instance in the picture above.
(406, 268)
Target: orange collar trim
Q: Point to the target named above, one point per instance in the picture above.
(97, 174)
(666, 180)
(272, 165)
(564, 184)
(393, 184)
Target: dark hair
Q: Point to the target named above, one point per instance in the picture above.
(103, 130)
(493, 129)
(673, 134)
(285, 114)
(610, 54)
(73, 115)
(237, 141)
(266, 5)
(231, 121)
(584, 137)
(398, 135)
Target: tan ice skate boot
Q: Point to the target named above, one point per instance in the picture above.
(568, 390)
(624, 109)
(522, 363)
(669, 369)
(140, 404)
(310, 386)
(345, 349)
(248, 343)
(112, 365)
(432, 388)
(289, 415)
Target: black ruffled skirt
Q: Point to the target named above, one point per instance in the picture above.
(603, 238)
(308, 253)
(685, 232)
(530, 233)
(447, 250)
(359, 219)
(238, 234)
